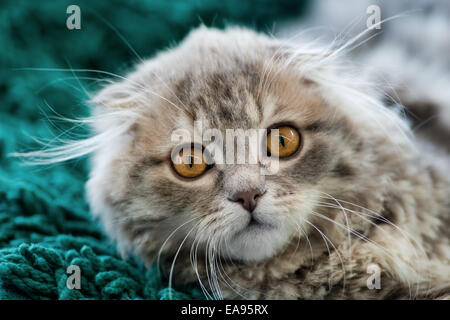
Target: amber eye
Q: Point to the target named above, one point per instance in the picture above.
(189, 162)
(288, 140)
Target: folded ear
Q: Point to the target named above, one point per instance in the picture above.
(116, 95)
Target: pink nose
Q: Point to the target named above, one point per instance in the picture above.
(247, 199)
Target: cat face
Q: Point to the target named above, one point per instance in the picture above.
(232, 80)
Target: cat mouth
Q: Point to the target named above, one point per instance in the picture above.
(255, 224)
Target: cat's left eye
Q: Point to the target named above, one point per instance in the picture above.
(287, 141)
(189, 162)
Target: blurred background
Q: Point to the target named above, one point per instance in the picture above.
(45, 224)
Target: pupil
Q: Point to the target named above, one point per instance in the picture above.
(282, 141)
(191, 162)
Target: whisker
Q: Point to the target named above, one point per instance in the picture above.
(194, 262)
(364, 238)
(170, 235)
(111, 74)
(325, 238)
(304, 233)
(174, 260)
(345, 216)
(245, 290)
(379, 217)
(405, 235)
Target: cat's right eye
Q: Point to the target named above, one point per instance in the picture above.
(189, 162)
(287, 141)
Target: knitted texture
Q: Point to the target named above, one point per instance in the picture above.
(45, 224)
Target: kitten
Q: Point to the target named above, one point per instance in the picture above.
(353, 199)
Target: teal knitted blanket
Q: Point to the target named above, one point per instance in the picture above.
(45, 224)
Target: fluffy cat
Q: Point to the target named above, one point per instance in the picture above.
(358, 196)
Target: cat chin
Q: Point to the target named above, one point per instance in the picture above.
(255, 243)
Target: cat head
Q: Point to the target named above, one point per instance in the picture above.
(335, 140)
